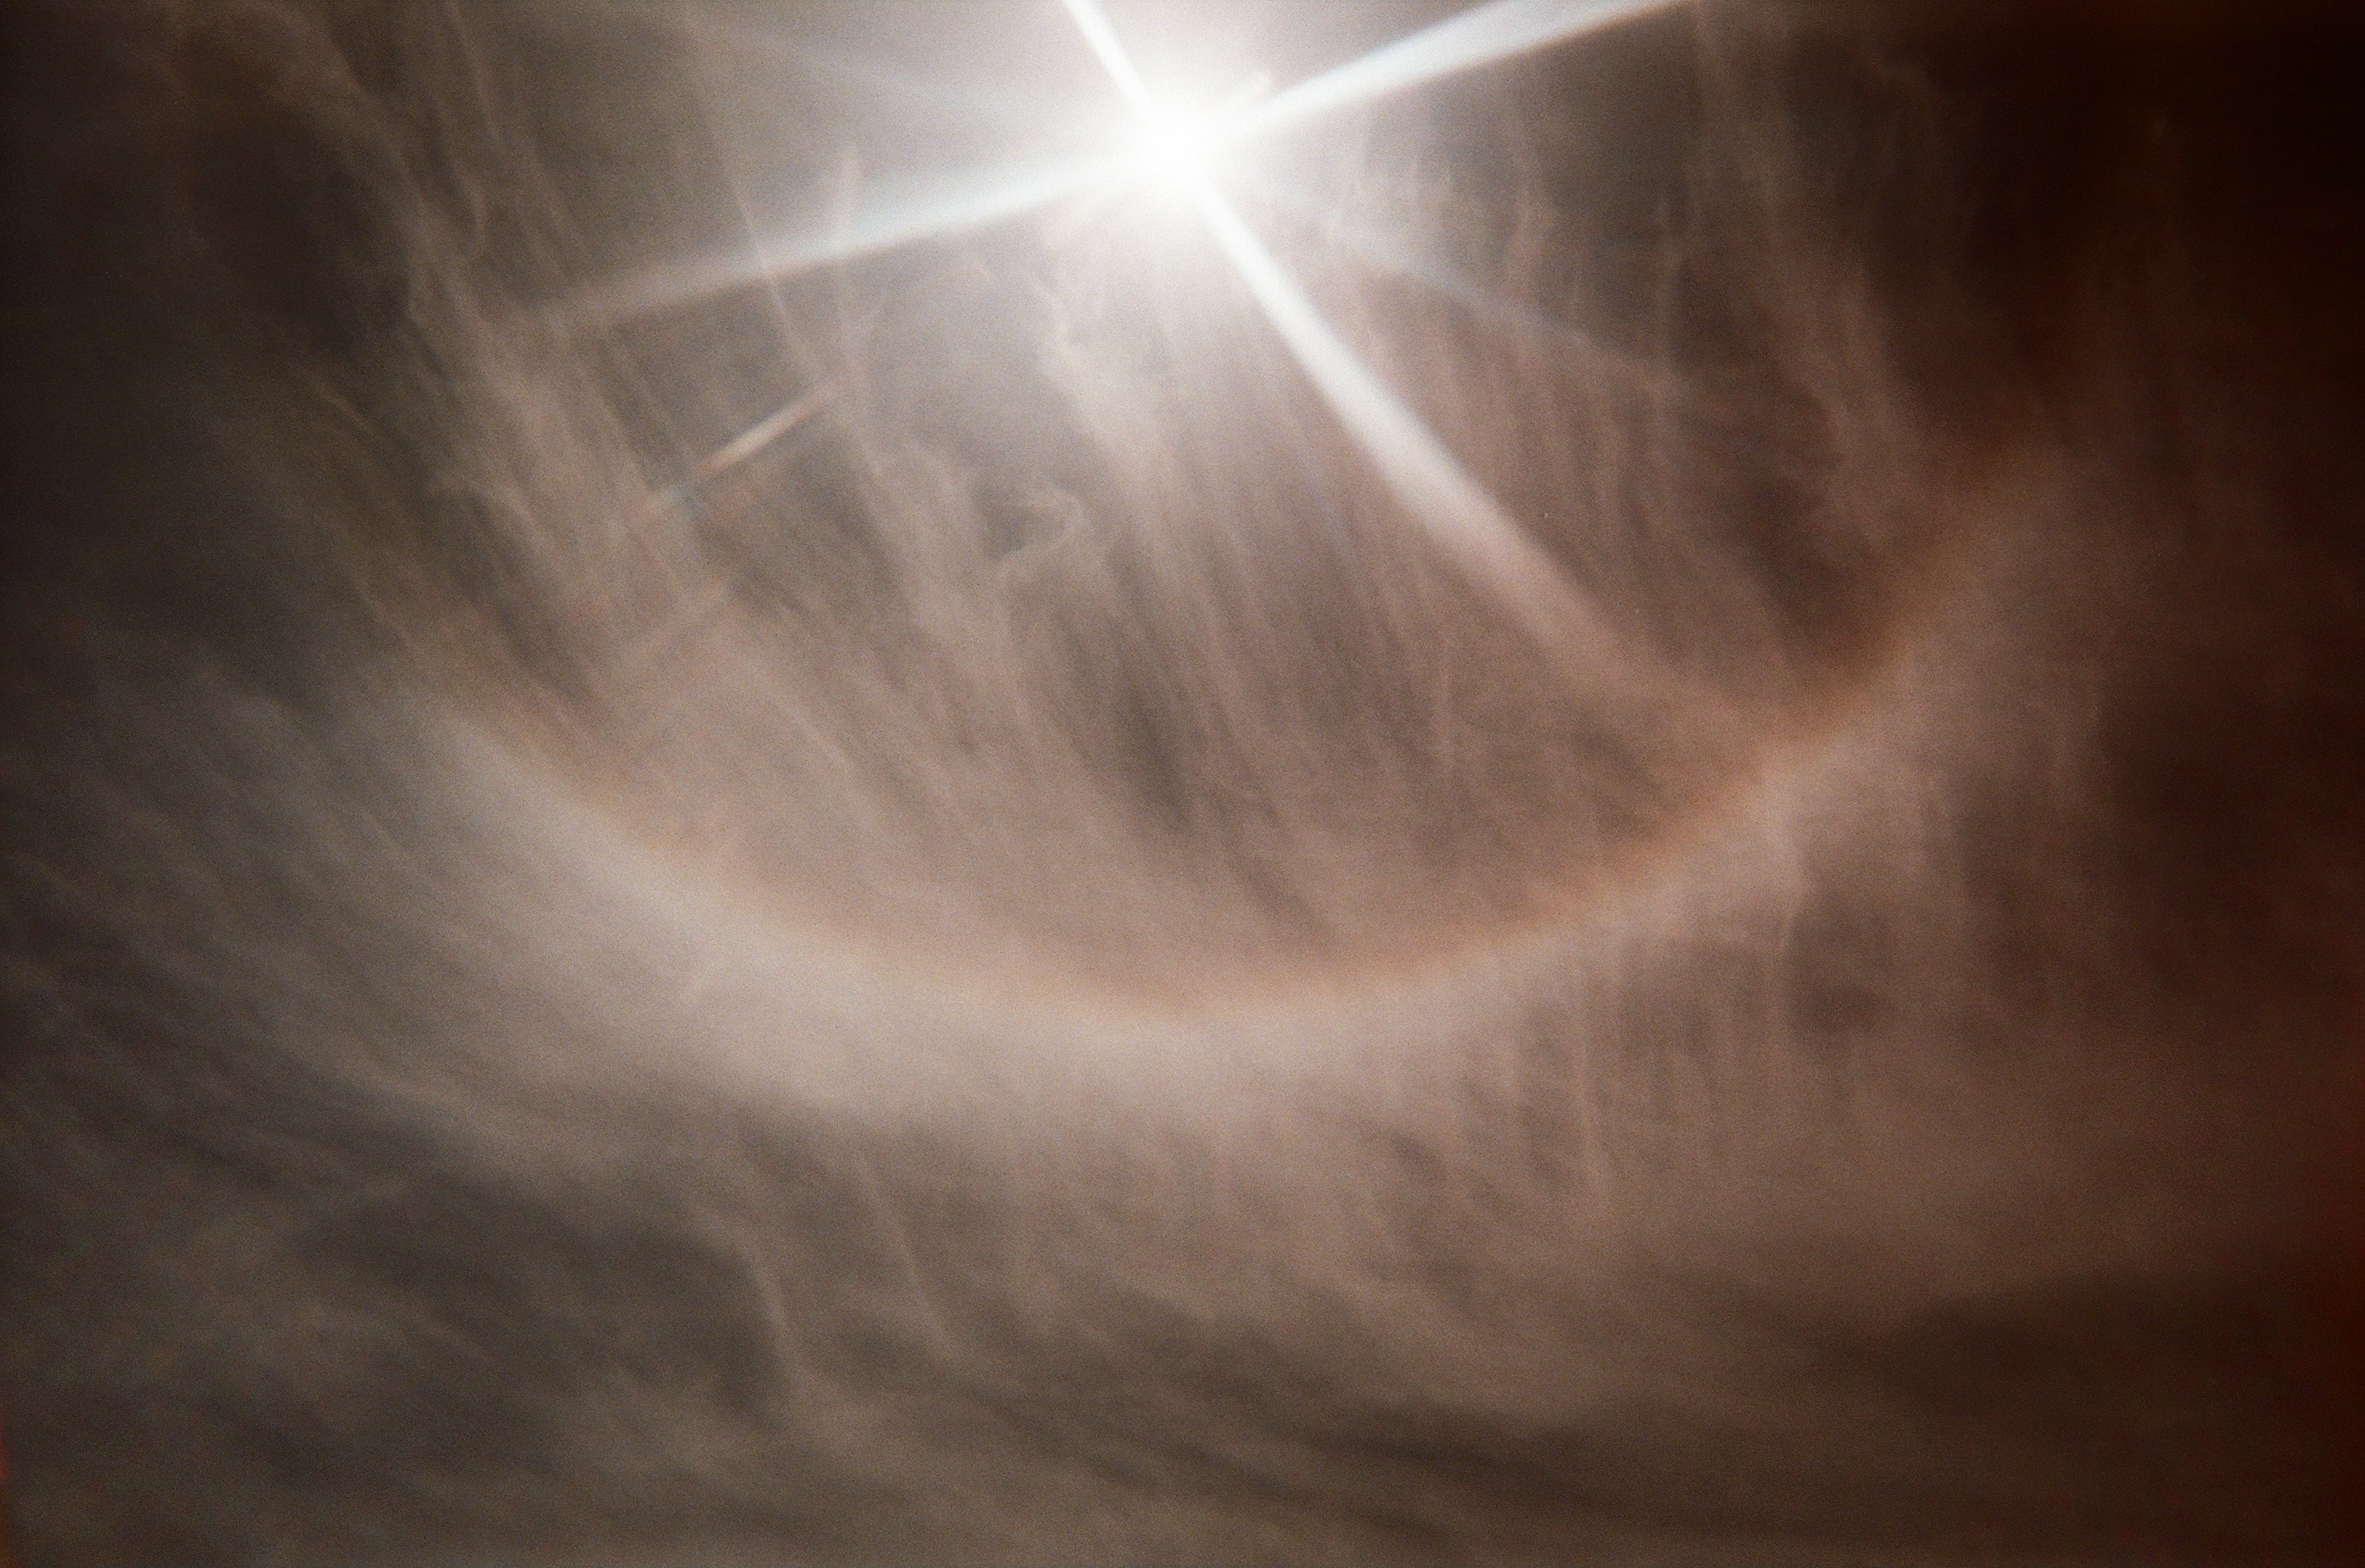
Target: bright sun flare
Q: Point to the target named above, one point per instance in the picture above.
(1173, 152)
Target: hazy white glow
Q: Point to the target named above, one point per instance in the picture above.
(1480, 36)
(1174, 152)
(1173, 149)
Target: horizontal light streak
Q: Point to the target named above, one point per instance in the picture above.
(975, 203)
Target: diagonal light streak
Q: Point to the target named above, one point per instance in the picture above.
(973, 203)
(1094, 23)
(749, 443)
(1480, 36)
(1455, 509)
(1383, 254)
(757, 437)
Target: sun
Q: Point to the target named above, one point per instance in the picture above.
(1174, 153)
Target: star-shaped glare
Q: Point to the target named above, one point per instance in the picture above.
(1181, 151)
(1482, 36)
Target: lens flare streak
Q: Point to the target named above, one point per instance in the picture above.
(758, 436)
(1094, 23)
(1453, 507)
(1391, 259)
(1482, 36)
(975, 203)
